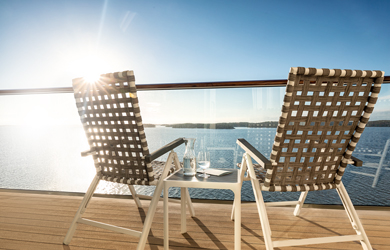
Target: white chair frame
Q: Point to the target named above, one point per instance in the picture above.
(247, 166)
(150, 214)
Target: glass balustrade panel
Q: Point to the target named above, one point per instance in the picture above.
(42, 137)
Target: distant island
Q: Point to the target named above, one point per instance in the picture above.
(149, 126)
(233, 125)
(201, 125)
(380, 123)
(228, 125)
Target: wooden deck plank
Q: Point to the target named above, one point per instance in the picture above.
(96, 209)
(100, 204)
(210, 220)
(39, 221)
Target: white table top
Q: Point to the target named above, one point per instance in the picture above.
(178, 178)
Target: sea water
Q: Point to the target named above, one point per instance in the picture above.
(49, 159)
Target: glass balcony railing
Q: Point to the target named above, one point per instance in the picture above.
(42, 137)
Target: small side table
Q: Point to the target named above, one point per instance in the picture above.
(231, 181)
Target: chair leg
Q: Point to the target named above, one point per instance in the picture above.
(263, 215)
(242, 173)
(81, 210)
(154, 202)
(301, 200)
(150, 215)
(135, 196)
(353, 217)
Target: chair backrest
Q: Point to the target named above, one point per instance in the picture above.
(111, 118)
(324, 113)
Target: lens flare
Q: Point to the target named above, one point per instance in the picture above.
(91, 77)
(90, 68)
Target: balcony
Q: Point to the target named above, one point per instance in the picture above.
(48, 43)
(44, 176)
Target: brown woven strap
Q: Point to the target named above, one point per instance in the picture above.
(110, 114)
(323, 115)
(158, 168)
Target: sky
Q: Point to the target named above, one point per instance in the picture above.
(48, 43)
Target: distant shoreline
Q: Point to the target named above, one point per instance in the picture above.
(225, 125)
(233, 125)
(379, 123)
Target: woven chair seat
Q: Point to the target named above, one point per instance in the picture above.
(158, 167)
(261, 173)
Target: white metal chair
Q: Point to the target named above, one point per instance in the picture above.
(110, 114)
(323, 115)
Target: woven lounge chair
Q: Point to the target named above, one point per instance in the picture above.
(111, 118)
(323, 115)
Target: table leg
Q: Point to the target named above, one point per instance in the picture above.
(166, 221)
(189, 204)
(183, 195)
(237, 219)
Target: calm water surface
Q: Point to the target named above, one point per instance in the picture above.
(49, 159)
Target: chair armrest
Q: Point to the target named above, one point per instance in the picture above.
(159, 152)
(88, 152)
(256, 155)
(356, 162)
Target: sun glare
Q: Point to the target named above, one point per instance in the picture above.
(90, 68)
(92, 77)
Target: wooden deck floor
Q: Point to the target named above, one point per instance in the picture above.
(40, 221)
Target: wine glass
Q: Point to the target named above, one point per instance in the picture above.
(204, 163)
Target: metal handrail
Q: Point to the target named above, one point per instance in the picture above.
(166, 86)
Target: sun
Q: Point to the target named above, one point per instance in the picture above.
(92, 77)
(90, 68)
